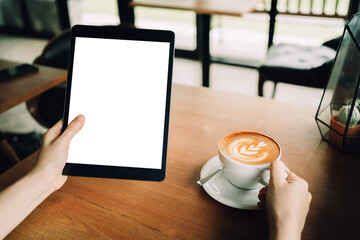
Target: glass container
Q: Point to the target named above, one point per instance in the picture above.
(338, 115)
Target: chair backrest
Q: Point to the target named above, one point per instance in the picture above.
(56, 52)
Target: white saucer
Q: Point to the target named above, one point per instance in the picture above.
(219, 188)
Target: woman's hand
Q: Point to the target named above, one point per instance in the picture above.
(20, 198)
(54, 151)
(287, 202)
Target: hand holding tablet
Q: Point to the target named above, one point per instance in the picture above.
(120, 79)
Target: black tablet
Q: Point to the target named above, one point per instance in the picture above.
(120, 79)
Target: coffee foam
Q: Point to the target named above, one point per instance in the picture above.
(250, 148)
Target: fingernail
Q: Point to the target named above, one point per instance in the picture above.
(80, 118)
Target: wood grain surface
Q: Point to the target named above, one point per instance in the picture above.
(177, 208)
(23, 88)
(211, 7)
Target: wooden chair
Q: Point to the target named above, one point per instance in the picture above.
(298, 65)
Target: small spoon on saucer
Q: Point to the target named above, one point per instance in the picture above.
(202, 181)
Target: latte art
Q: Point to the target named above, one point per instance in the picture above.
(241, 149)
(250, 148)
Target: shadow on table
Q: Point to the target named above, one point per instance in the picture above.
(334, 211)
(232, 223)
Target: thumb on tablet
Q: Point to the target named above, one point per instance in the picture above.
(72, 129)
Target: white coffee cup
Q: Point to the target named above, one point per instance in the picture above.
(247, 174)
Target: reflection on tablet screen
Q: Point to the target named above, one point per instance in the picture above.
(120, 86)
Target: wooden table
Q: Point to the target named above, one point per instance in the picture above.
(204, 9)
(178, 208)
(23, 88)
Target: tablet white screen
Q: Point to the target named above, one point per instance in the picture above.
(120, 86)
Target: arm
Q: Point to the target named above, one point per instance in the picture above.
(19, 199)
(287, 202)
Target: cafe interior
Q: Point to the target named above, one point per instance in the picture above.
(266, 66)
